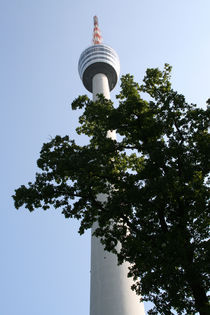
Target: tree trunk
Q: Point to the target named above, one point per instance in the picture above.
(193, 277)
(201, 299)
(196, 284)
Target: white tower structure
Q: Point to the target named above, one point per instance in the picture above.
(110, 287)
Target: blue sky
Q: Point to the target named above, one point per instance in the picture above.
(45, 264)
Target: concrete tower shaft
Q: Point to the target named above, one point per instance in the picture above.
(111, 293)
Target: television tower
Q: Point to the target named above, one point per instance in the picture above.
(110, 288)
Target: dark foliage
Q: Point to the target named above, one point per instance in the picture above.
(156, 181)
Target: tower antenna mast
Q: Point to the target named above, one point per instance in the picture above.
(97, 39)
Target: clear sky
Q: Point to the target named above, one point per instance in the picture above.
(45, 264)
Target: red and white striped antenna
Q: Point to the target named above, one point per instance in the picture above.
(97, 39)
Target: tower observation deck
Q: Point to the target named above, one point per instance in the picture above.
(110, 289)
(96, 59)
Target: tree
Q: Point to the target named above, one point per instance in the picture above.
(156, 181)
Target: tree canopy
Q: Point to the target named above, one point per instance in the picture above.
(155, 177)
